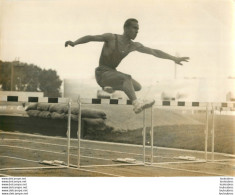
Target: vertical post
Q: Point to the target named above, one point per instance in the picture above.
(144, 134)
(63, 88)
(206, 132)
(151, 134)
(79, 128)
(12, 76)
(175, 70)
(213, 133)
(68, 131)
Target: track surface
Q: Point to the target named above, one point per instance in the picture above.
(21, 154)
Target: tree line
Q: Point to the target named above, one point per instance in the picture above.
(18, 76)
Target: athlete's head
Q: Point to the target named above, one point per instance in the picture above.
(131, 28)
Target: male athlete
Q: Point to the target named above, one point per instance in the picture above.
(115, 48)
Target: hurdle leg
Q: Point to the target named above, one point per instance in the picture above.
(68, 131)
(151, 135)
(144, 134)
(206, 132)
(79, 130)
(213, 134)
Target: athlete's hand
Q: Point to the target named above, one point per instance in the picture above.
(71, 43)
(178, 60)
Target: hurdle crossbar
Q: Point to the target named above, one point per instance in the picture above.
(5, 98)
(195, 104)
(164, 103)
(105, 101)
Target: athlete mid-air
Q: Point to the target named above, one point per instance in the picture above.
(115, 48)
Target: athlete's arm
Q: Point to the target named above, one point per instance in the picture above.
(100, 38)
(160, 54)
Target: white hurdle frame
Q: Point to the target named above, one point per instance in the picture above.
(144, 134)
(213, 133)
(79, 131)
(152, 135)
(111, 102)
(209, 107)
(204, 105)
(69, 132)
(206, 131)
(30, 99)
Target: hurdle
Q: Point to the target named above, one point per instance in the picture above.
(19, 99)
(209, 107)
(82, 101)
(217, 106)
(180, 105)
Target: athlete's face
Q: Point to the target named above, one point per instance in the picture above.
(132, 30)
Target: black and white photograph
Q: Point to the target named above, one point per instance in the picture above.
(117, 93)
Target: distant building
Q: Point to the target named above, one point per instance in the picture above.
(230, 97)
(73, 88)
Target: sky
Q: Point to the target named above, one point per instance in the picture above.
(35, 32)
